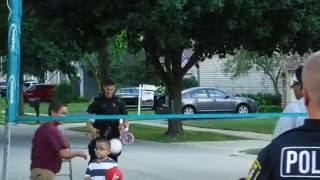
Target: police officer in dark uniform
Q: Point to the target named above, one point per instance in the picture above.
(106, 104)
(295, 154)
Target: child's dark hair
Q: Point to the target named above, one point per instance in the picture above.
(103, 140)
(55, 106)
(108, 82)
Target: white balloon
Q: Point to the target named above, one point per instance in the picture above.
(116, 146)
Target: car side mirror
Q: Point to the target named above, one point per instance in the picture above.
(227, 96)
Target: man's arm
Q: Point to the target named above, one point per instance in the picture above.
(66, 154)
(285, 123)
(93, 131)
(92, 110)
(123, 111)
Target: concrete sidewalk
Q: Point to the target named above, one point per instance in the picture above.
(245, 134)
(163, 123)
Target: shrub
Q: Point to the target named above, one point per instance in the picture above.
(190, 82)
(270, 109)
(263, 99)
(64, 93)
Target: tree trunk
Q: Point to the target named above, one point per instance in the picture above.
(42, 76)
(275, 86)
(104, 65)
(175, 125)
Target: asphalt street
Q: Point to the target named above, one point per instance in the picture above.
(145, 160)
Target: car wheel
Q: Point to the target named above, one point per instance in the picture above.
(243, 109)
(188, 110)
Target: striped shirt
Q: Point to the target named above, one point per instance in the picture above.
(97, 170)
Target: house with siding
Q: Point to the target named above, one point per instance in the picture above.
(210, 73)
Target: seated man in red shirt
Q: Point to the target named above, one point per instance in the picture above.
(49, 147)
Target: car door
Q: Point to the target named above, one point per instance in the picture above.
(221, 101)
(201, 100)
(129, 97)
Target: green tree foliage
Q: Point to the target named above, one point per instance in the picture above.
(64, 93)
(190, 82)
(164, 28)
(91, 24)
(3, 27)
(244, 61)
(132, 70)
(44, 45)
(45, 48)
(117, 47)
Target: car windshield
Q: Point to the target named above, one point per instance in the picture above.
(135, 91)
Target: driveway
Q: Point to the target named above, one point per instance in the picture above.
(146, 160)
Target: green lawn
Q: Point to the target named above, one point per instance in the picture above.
(1, 119)
(265, 125)
(254, 125)
(73, 108)
(2, 108)
(76, 108)
(151, 133)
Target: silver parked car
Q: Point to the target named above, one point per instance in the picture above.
(209, 99)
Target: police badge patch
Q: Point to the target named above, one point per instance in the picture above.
(254, 170)
(300, 162)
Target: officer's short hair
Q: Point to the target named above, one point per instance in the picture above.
(108, 82)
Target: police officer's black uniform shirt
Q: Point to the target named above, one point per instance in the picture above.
(107, 106)
(293, 155)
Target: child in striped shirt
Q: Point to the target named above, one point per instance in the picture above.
(103, 168)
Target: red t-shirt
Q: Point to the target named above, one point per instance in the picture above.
(46, 143)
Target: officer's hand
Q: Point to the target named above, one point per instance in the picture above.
(94, 132)
(126, 124)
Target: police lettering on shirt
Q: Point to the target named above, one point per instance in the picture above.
(300, 162)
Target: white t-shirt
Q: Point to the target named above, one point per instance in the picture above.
(286, 123)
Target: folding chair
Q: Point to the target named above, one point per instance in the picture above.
(69, 174)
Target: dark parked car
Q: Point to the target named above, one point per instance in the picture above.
(29, 83)
(130, 96)
(208, 99)
(39, 92)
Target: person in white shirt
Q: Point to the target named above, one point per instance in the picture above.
(286, 123)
